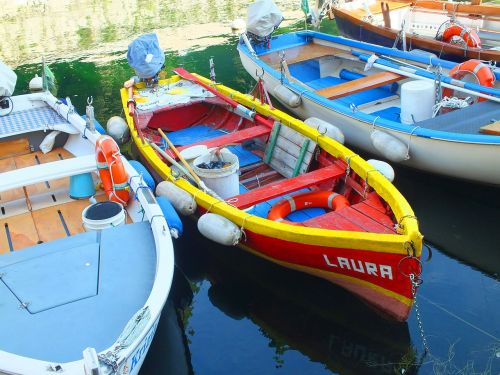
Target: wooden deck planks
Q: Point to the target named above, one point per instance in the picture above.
(360, 84)
(48, 220)
(6, 165)
(365, 222)
(375, 214)
(332, 220)
(22, 231)
(290, 185)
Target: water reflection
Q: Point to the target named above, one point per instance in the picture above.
(295, 313)
(89, 29)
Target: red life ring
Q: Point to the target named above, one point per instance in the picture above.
(111, 170)
(468, 35)
(308, 199)
(475, 67)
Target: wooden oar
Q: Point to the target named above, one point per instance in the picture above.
(242, 110)
(183, 161)
(200, 183)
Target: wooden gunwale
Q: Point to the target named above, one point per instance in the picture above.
(420, 42)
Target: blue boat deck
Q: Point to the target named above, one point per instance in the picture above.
(60, 297)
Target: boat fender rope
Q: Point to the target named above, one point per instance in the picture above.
(409, 141)
(373, 124)
(164, 230)
(365, 189)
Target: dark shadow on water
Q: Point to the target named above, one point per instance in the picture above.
(297, 312)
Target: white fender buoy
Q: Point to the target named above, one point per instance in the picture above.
(326, 128)
(182, 201)
(118, 129)
(389, 146)
(36, 84)
(384, 168)
(287, 96)
(219, 229)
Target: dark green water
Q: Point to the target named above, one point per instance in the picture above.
(247, 316)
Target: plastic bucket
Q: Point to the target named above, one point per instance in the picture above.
(224, 181)
(417, 101)
(102, 215)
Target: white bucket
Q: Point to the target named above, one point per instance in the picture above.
(417, 99)
(102, 215)
(224, 181)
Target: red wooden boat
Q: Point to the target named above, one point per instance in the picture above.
(452, 31)
(291, 195)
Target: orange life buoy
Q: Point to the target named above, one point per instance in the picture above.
(474, 67)
(308, 199)
(468, 35)
(111, 170)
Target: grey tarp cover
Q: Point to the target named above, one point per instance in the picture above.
(145, 56)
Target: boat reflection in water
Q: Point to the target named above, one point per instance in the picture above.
(297, 312)
(459, 218)
(169, 352)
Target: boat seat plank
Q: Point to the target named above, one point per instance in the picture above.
(363, 221)
(22, 231)
(493, 129)
(304, 52)
(361, 84)
(287, 186)
(234, 137)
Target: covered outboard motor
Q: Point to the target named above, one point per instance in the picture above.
(7, 80)
(145, 56)
(263, 17)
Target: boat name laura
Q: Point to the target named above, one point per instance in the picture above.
(378, 270)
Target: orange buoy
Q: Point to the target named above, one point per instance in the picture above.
(308, 199)
(111, 170)
(475, 67)
(468, 35)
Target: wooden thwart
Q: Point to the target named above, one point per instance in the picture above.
(235, 137)
(493, 129)
(360, 84)
(287, 186)
(303, 53)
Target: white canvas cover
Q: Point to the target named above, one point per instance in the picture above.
(7, 80)
(263, 17)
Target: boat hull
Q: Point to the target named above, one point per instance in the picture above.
(355, 28)
(439, 156)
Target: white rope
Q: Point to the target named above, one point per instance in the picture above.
(454, 103)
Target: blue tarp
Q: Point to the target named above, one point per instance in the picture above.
(145, 56)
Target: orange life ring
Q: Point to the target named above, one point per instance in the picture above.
(308, 199)
(468, 35)
(475, 67)
(111, 170)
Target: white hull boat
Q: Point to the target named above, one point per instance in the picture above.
(358, 87)
(82, 283)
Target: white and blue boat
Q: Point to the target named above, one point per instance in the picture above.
(82, 283)
(408, 107)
